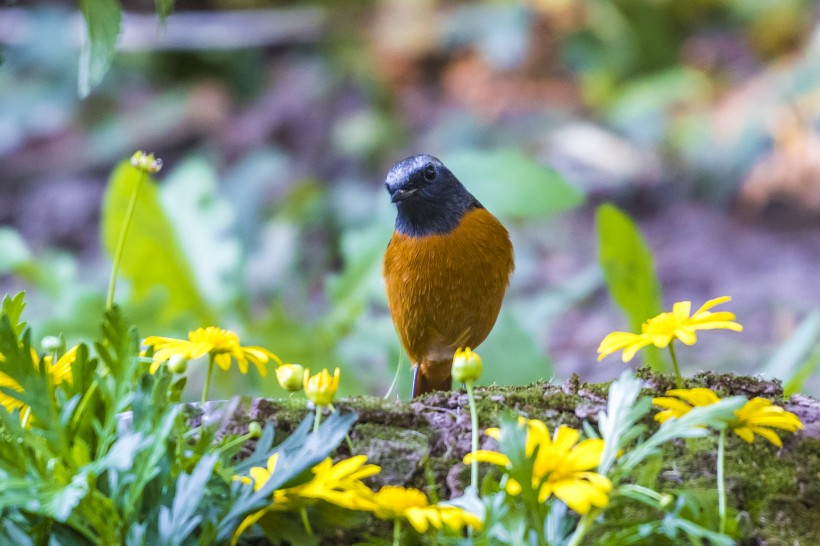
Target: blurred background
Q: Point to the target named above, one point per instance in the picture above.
(277, 122)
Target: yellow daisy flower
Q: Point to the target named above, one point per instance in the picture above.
(757, 416)
(678, 402)
(410, 504)
(59, 372)
(338, 484)
(562, 466)
(321, 388)
(222, 345)
(662, 329)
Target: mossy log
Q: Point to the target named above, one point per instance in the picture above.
(774, 492)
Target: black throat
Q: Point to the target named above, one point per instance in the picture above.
(422, 217)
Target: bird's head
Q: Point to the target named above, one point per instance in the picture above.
(429, 198)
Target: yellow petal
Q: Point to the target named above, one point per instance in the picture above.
(415, 516)
(487, 456)
(493, 432)
(586, 454)
(681, 310)
(769, 434)
(513, 488)
(697, 397)
(712, 303)
(565, 438)
(641, 342)
(745, 434)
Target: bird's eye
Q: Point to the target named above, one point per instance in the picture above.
(429, 173)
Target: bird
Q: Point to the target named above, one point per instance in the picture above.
(446, 268)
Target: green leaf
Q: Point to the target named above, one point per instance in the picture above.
(102, 21)
(179, 521)
(164, 8)
(13, 309)
(629, 271)
(204, 224)
(793, 359)
(512, 185)
(694, 424)
(153, 258)
(619, 424)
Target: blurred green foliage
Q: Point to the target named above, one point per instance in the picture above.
(269, 217)
(629, 270)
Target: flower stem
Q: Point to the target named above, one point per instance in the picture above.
(129, 213)
(721, 480)
(396, 533)
(582, 528)
(207, 385)
(395, 377)
(305, 521)
(474, 430)
(678, 378)
(317, 419)
(234, 442)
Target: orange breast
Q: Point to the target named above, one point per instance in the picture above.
(445, 291)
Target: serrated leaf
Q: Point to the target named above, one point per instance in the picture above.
(12, 308)
(699, 421)
(102, 24)
(300, 451)
(629, 271)
(512, 185)
(621, 417)
(153, 259)
(179, 521)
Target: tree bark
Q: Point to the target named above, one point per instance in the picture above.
(775, 493)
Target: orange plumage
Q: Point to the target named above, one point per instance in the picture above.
(445, 285)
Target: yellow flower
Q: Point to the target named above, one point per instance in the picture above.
(146, 162)
(321, 388)
(678, 402)
(760, 416)
(407, 503)
(59, 372)
(338, 484)
(561, 467)
(466, 365)
(757, 416)
(290, 377)
(222, 345)
(661, 330)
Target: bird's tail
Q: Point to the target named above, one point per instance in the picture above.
(432, 375)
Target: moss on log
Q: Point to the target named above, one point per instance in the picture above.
(775, 493)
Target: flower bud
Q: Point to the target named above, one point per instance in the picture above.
(290, 376)
(321, 388)
(466, 366)
(254, 429)
(146, 162)
(177, 364)
(53, 344)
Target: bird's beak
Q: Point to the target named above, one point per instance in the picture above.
(401, 195)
